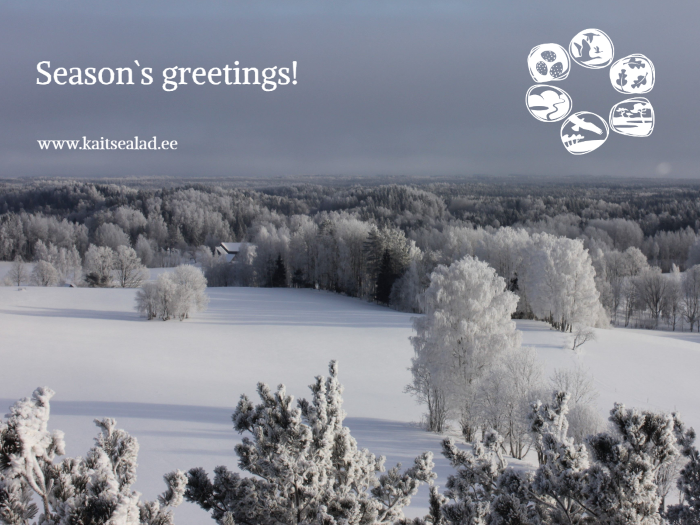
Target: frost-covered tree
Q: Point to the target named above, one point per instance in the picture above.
(161, 295)
(620, 267)
(466, 326)
(66, 261)
(92, 490)
(505, 395)
(388, 253)
(651, 289)
(144, 249)
(621, 483)
(613, 484)
(583, 417)
(580, 335)
(559, 282)
(191, 286)
(44, 274)
(99, 263)
(130, 273)
(305, 467)
(690, 295)
(111, 236)
(18, 273)
(671, 304)
(174, 295)
(688, 511)
(148, 300)
(504, 250)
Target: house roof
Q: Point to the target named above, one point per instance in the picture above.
(231, 247)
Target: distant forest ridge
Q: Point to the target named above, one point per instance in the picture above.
(656, 205)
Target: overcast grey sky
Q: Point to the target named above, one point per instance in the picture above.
(384, 87)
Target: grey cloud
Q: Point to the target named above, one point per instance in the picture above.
(392, 87)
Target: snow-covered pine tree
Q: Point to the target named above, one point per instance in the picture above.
(306, 467)
(621, 483)
(94, 490)
(614, 486)
(687, 512)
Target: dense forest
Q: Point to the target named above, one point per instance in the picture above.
(377, 241)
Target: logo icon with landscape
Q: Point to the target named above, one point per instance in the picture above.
(584, 132)
(592, 48)
(548, 103)
(633, 117)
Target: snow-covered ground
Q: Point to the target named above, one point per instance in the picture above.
(174, 385)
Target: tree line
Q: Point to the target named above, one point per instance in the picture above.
(376, 242)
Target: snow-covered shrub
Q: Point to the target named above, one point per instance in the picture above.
(99, 263)
(466, 326)
(130, 272)
(614, 484)
(305, 467)
(92, 490)
(174, 295)
(44, 274)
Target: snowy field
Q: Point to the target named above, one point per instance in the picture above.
(174, 385)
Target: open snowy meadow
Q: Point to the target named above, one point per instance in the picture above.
(173, 384)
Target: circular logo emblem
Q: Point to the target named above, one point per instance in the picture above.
(633, 75)
(548, 62)
(583, 132)
(633, 117)
(592, 48)
(548, 103)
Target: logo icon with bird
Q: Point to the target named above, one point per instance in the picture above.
(584, 132)
(592, 48)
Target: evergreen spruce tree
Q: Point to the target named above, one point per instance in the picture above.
(279, 274)
(385, 279)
